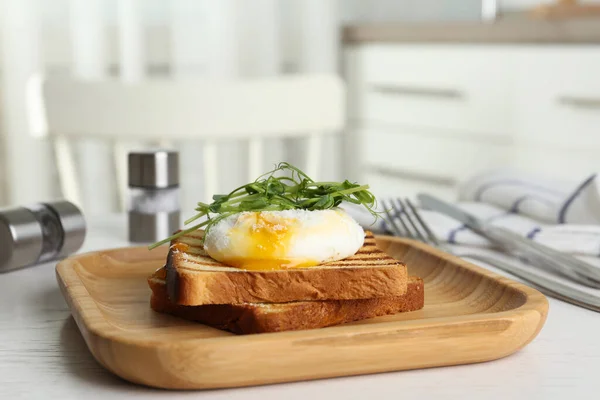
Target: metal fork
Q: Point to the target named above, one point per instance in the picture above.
(400, 221)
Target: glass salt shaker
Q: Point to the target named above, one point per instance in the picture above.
(39, 233)
(153, 195)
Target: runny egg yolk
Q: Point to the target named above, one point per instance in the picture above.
(272, 240)
(265, 242)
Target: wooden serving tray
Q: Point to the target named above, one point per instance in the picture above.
(470, 315)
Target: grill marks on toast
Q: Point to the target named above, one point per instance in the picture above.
(367, 256)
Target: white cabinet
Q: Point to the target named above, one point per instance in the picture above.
(425, 117)
(559, 97)
(459, 88)
(558, 111)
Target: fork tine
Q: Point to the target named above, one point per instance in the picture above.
(418, 235)
(398, 212)
(423, 224)
(390, 219)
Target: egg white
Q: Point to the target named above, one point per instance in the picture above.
(284, 239)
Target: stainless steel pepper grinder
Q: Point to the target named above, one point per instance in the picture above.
(153, 195)
(39, 233)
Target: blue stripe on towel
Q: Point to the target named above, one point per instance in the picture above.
(533, 232)
(453, 232)
(517, 203)
(563, 210)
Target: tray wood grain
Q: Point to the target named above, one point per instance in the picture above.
(470, 315)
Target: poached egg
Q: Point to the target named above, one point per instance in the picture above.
(270, 240)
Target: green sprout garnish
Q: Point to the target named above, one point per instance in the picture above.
(269, 192)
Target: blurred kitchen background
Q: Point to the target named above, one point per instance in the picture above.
(436, 91)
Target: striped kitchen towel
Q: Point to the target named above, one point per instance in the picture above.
(561, 215)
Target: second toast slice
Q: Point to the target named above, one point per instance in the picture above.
(193, 278)
(295, 315)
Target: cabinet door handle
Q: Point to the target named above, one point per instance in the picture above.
(580, 102)
(450, 94)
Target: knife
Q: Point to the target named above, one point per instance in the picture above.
(534, 253)
(547, 283)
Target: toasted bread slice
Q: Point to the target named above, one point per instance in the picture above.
(277, 317)
(193, 278)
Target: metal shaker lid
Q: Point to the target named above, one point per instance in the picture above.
(21, 239)
(73, 225)
(154, 169)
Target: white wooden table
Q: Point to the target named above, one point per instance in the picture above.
(42, 355)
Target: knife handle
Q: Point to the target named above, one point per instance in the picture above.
(545, 257)
(541, 281)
